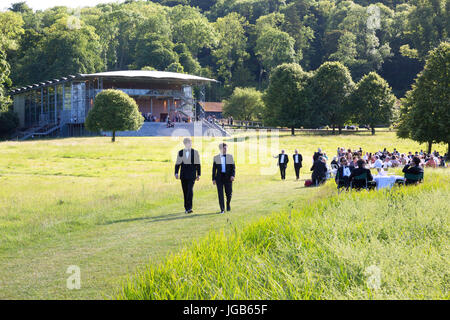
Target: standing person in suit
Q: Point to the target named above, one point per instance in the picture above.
(283, 160)
(223, 173)
(188, 160)
(317, 155)
(297, 163)
(319, 171)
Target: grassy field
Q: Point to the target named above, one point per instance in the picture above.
(114, 208)
(373, 245)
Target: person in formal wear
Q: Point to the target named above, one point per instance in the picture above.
(297, 163)
(283, 160)
(188, 170)
(361, 169)
(319, 171)
(223, 174)
(343, 174)
(317, 155)
(413, 168)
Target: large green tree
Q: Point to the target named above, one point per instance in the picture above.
(287, 97)
(113, 111)
(425, 114)
(231, 51)
(274, 47)
(244, 104)
(426, 26)
(372, 101)
(331, 86)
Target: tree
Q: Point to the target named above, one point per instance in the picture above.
(175, 67)
(113, 111)
(231, 50)
(9, 121)
(67, 47)
(274, 47)
(192, 28)
(287, 97)
(156, 51)
(425, 113)
(5, 82)
(373, 101)
(244, 104)
(427, 26)
(331, 87)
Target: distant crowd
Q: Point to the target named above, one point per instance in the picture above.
(385, 159)
(353, 166)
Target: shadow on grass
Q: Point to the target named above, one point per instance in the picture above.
(167, 217)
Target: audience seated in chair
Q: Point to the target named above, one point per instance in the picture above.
(361, 178)
(413, 172)
(343, 174)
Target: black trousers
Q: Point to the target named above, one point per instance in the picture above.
(228, 186)
(188, 192)
(283, 171)
(297, 167)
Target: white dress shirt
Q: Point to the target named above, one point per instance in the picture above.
(282, 158)
(346, 171)
(223, 160)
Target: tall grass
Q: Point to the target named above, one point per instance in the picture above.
(327, 250)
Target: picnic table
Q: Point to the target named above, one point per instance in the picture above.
(386, 181)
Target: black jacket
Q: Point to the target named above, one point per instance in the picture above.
(412, 170)
(319, 169)
(359, 171)
(316, 156)
(190, 166)
(300, 159)
(340, 173)
(286, 159)
(230, 168)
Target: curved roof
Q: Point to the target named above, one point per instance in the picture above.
(141, 75)
(144, 74)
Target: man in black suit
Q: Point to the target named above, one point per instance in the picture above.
(319, 171)
(223, 173)
(283, 160)
(359, 171)
(297, 163)
(188, 160)
(343, 174)
(413, 168)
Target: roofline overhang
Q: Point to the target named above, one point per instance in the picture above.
(80, 77)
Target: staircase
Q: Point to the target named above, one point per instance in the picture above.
(158, 129)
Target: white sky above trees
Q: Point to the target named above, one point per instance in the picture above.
(44, 4)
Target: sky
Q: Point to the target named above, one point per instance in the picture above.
(44, 4)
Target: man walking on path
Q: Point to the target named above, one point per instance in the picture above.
(188, 160)
(223, 173)
(283, 160)
(297, 163)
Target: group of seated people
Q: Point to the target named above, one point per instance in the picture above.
(352, 168)
(148, 117)
(385, 159)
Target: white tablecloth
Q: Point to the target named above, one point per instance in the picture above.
(386, 181)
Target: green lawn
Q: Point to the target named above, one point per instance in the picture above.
(112, 208)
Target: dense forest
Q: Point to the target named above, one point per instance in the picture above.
(238, 42)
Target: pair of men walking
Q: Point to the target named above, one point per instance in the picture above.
(283, 160)
(223, 173)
